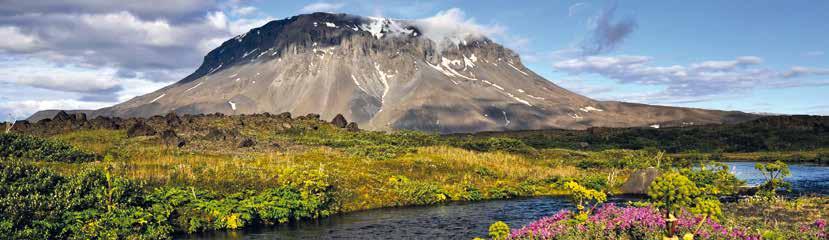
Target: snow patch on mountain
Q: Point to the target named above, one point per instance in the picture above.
(159, 97)
(590, 109)
(232, 105)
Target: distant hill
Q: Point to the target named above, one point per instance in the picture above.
(771, 133)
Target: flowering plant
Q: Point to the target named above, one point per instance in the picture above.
(614, 222)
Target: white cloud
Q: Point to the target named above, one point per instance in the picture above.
(14, 40)
(96, 53)
(65, 78)
(696, 81)
(124, 27)
(813, 53)
(453, 26)
(321, 7)
(798, 71)
(244, 10)
(727, 65)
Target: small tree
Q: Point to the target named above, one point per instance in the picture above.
(774, 173)
(583, 196)
(673, 191)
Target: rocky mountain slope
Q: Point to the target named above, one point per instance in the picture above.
(389, 74)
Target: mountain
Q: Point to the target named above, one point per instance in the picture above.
(391, 74)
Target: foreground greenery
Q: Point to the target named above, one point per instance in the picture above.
(36, 203)
(103, 184)
(681, 205)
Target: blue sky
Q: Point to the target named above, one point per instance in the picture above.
(757, 56)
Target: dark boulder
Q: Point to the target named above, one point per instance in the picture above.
(20, 125)
(313, 116)
(140, 129)
(170, 138)
(215, 134)
(639, 181)
(79, 116)
(246, 142)
(352, 127)
(61, 116)
(339, 121)
(102, 122)
(285, 115)
(172, 119)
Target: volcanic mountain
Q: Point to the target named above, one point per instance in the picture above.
(390, 74)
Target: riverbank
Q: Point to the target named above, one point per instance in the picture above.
(817, 156)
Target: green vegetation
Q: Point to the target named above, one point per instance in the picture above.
(683, 207)
(768, 134)
(37, 203)
(582, 196)
(303, 169)
(37, 149)
(774, 174)
(499, 230)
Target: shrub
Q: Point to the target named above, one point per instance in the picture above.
(713, 179)
(584, 198)
(499, 230)
(496, 144)
(774, 173)
(416, 192)
(673, 191)
(37, 149)
(37, 203)
(612, 222)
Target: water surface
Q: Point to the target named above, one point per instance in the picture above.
(805, 178)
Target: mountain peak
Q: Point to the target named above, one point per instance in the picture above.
(390, 74)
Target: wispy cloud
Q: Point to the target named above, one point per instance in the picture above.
(321, 7)
(693, 82)
(573, 9)
(607, 33)
(813, 53)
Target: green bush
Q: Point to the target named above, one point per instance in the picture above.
(775, 174)
(412, 192)
(37, 203)
(494, 144)
(379, 152)
(713, 179)
(37, 149)
(499, 230)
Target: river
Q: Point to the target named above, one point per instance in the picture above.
(471, 219)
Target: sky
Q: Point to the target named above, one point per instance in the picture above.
(759, 56)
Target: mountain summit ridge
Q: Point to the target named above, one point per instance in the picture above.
(388, 74)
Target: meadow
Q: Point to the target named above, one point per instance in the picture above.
(232, 172)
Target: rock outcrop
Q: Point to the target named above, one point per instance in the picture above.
(639, 181)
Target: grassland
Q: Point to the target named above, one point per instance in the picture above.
(306, 167)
